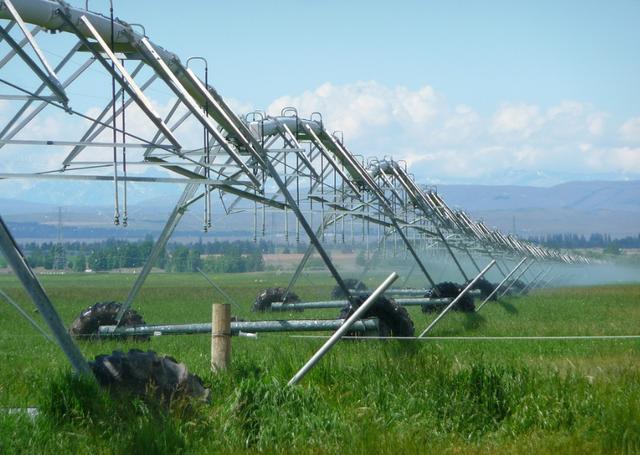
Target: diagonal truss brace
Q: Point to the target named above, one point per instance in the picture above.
(122, 76)
(50, 80)
(7, 58)
(26, 105)
(384, 205)
(191, 104)
(49, 75)
(101, 123)
(7, 134)
(32, 286)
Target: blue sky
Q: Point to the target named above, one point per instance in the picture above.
(467, 92)
(476, 53)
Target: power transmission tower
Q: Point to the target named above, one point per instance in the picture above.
(60, 257)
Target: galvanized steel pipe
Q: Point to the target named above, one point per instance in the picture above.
(302, 325)
(281, 306)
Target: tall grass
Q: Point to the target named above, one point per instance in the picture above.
(422, 402)
(364, 397)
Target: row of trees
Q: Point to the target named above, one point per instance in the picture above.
(226, 256)
(231, 260)
(221, 257)
(580, 241)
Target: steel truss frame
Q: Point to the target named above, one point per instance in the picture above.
(312, 171)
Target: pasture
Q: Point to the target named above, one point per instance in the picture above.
(452, 396)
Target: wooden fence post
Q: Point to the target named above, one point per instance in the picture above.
(220, 336)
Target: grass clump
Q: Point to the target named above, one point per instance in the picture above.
(69, 399)
(75, 413)
(267, 414)
(569, 396)
(424, 401)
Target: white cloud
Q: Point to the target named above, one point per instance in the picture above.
(564, 121)
(517, 121)
(239, 107)
(440, 141)
(630, 130)
(596, 123)
(459, 126)
(26, 158)
(455, 143)
(625, 160)
(358, 108)
(56, 125)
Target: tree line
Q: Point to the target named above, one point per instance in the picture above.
(570, 240)
(226, 256)
(218, 256)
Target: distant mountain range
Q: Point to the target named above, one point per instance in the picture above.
(577, 207)
(588, 196)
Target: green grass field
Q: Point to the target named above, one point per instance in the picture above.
(547, 396)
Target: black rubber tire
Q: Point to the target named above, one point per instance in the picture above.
(145, 373)
(517, 287)
(351, 283)
(449, 290)
(85, 325)
(485, 287)
(268, 296)
(394, 319)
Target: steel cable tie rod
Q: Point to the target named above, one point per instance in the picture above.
(26, 316)
(484, 338)
(220, 290)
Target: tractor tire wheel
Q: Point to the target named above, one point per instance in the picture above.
(85, 325)
(517, 287)
(394, 319)
(351, 283)
(485, 287)
(449, 290)
(268, 296)
(145, 373)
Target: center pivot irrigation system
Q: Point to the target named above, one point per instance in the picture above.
(255, 163)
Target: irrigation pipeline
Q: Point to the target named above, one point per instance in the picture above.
(489, 338)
